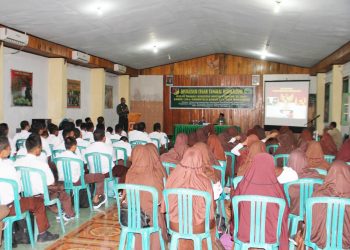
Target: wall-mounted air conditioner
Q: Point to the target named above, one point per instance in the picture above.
(80, 56)
(13, 37)
(119, 68)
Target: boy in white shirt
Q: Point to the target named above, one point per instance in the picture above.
(53, 138)
(71, 145)
(123, 143)
(25, 127)
(34, 205)
(89, 136)
(159, 135)
(81, 143)
(117, 132)
(101, 126)
(38, 128)
(31, 160)
(100, 146)
(78, 123)
(139, 134)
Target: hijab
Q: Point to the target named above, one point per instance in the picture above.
(327, 144)
(315, 156)
(245, 151)
(175, 154)
(256, 148)
(286, 145)
(216, 147)
(305, 136)
(336, 184)
(192, 139)
(344, 152)
(226, 136)
(260, 179)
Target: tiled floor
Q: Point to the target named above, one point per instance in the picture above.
(93, 230)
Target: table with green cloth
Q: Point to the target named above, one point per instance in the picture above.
(189, 128)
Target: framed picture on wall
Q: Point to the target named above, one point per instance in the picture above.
(21, 88)
(169, 80)
(108, 97)
(73, 94)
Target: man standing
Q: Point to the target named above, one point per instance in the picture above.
(123, 111)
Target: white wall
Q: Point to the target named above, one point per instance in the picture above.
(39, 67)
(81, 74)
(146, 88)
(110, 115)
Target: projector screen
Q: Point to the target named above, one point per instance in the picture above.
(286, 103)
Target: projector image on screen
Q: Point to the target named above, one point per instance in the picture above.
(286, 103)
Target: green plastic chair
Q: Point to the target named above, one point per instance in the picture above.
(166, 146)
(81, 149)
(157, 142)
(220, 202)
(123, 150)
(96, 159)
(233, 159)
(20, 143)
(137, 142)
(285, 158)
(65, 164)
(87, 139)
(56, 152)
(185, 217)
(167, 166)
(19, 216)
(334, 221)
(222, 169)
(258, 208)
(271, 149)
(236, 181)
(25, 173)
(320, 171)
(114, 140)
(348, 163)
(306, 188)
(329, 158)
(134, 216)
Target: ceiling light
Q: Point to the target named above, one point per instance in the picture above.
(169, 57)
(99, 11)
(155, 49)
(264, 52)
(277, 7)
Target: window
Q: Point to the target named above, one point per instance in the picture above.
(327, 94)
(345, 117)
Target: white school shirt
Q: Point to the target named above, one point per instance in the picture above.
(33, 161)
(101, 147)
(53, 140)
(115, 137)
(288, 174)
(8, 171)
(138, 135)
(23, 152)
(74, 166)
(24, 134)
(123, 133)
(82, 143)
(45, 146)
(89, 136)
(123, 144)
(161, 136)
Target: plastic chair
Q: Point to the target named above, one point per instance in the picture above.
(26, 173)
(96, 165)
(285, 158)
(137, 142)
(257, 220)
(271, 149)
(220, 203)
(65, 164)
(166, 146)
(114, 140)
(185, 217)
(236, 181)
(157, 142)
(233, 159)
(320, 171)
(348, 163)
(167, 166)
(329, 158)
(123, 150)
(19, 216)
(81, 149)
(56, 152)
(306, 188)
(20, 143)
(134, 216)
(334, 221)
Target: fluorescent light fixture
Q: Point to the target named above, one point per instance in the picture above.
(155, 49)
(99, 11)
(277, 7)
(263, 54)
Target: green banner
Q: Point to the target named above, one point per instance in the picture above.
(237, 97)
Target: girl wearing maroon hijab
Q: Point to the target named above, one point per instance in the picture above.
(327, 144)
(315, 156)
(260, 179)
(344, 152)
(175, 154)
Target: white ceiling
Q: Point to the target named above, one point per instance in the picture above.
(302, 33)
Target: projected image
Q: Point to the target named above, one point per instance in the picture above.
(286, 103)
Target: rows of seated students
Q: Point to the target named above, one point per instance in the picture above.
(37, 146)
(195, 156)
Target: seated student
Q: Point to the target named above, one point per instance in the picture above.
(260, 179)
(139, 134)
(38, 128)
(344, 152)
(31, 160)
(158, 134)
(101, 126)
(146, 169)
(33, 204)
(315, 156)
(69, 132)
(175, 154)
(327, 144)
(285, 146)
(83, 129)
(123, 143)
(118, 129)
(88, 119)
(254, 149)
(71, 145)
(4, 211)
(53, 138)
(78, 123)
(81, 143)
(336, 184)
(89, 136)
(25, 127)
(109, 132)
(191, 173)
(4, 129)
(100, 146)
(117, 132)
(100, 120)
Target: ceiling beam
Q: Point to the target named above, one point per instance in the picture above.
(340, 56)
(49, 49)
